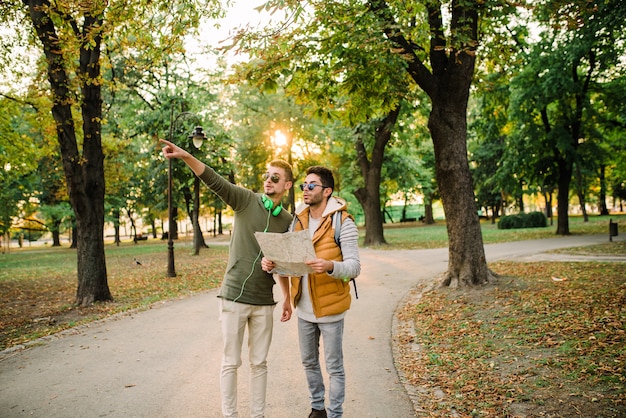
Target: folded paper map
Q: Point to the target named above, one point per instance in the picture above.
(288, 251)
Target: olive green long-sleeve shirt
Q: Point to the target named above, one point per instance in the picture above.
(244, 280)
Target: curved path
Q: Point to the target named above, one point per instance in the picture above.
(164, 362)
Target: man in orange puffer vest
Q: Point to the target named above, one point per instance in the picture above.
(322, 297)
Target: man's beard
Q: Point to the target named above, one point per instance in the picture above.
(314, 200)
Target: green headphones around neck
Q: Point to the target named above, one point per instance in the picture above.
(269, 205)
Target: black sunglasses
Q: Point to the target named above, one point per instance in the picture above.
(311, 186)
(274, 177)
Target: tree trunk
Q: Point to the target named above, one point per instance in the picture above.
(92, 273)
(56, 236)
(603, 209)
(198, 239)
(133, 226)
(583, 205)
(580, 192)
(73, 237)
(369, 195)
(466, 261)
(467, 265)
(429, 219)
(89, 190)
(116, 227)
(550, 211)
(84, 173)
(447, 82)
(565, 160)
(386, 215)
(562, 196)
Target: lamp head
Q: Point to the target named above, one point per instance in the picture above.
(197, 136)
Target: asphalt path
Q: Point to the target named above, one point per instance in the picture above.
(164, 362)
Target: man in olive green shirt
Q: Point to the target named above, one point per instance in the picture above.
(246, 296)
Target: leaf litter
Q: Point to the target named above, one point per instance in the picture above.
(524, 346)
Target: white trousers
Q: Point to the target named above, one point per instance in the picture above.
(234, 317)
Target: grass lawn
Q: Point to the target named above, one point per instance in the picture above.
(420, 236)
(546, 339)
(38, 284)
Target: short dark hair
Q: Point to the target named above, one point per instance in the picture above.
(325, 175)
(285, 166)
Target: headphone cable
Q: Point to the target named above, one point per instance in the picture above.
(243, 285)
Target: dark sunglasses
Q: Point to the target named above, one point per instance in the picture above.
(311, 186)
(274, 177)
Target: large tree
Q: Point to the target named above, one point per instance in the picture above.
(371, 166)
(367, 57)
(71, 36)
(446, 80)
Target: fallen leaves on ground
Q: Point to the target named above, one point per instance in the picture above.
(525, 346)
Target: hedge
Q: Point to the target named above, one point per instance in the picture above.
(523, 220)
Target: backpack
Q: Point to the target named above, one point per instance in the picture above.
(336, 221)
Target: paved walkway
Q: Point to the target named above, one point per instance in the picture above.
(164, 362)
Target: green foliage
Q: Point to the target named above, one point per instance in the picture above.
(523, 220)
(550, 103)
(409, 164)
(554, 96)
(330, 61)
(71, 41)
(57, 216)
(21, 150)
(136, 172)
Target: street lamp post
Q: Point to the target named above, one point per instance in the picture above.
(197, 136)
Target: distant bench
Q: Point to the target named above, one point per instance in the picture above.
(140, 238)
(421, 219)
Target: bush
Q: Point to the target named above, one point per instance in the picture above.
(537, 220)
(523, 220)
